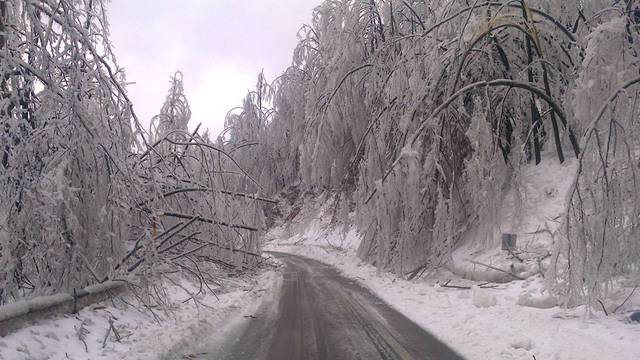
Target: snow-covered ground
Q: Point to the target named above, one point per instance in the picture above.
(140, 335)
(498, 322)
(467, 320)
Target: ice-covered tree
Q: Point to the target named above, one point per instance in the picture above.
(65, 140)
(425, 111)
(598, 247)
(86, 194)
(174, 116)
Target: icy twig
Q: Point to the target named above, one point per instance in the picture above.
(625, 300)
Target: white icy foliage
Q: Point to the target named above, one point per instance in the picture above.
(600, 242)
(86, 194)
(64, 146)
(425, 111)
(486, 177)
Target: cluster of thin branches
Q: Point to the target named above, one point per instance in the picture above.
(423, 112)
(86, 194)
(599, 247)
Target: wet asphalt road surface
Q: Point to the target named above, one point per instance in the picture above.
(321, 315)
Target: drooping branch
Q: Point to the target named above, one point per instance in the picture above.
(209, 221)
(236, 194)
(477, 85)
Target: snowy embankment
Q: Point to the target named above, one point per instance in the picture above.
(122, 329)
(490, 321)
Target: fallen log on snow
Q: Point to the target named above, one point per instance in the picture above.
(24, 313)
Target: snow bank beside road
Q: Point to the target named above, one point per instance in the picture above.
(504, 330)
(135, 334)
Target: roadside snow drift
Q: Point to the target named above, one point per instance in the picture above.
(116, 330)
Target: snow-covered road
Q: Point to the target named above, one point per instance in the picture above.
(322, 315)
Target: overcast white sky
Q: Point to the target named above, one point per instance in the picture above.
(219, 45)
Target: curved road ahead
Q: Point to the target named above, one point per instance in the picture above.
(321, 315)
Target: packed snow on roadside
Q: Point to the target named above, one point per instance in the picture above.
(118, 330)
(512, 320)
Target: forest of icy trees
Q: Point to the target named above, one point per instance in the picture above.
(416, 114)
(88, 195)
(420, 114)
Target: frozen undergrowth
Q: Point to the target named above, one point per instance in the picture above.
(514, 320)
(88, 334)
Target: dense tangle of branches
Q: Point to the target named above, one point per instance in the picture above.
(423, 113)
(86, 194)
